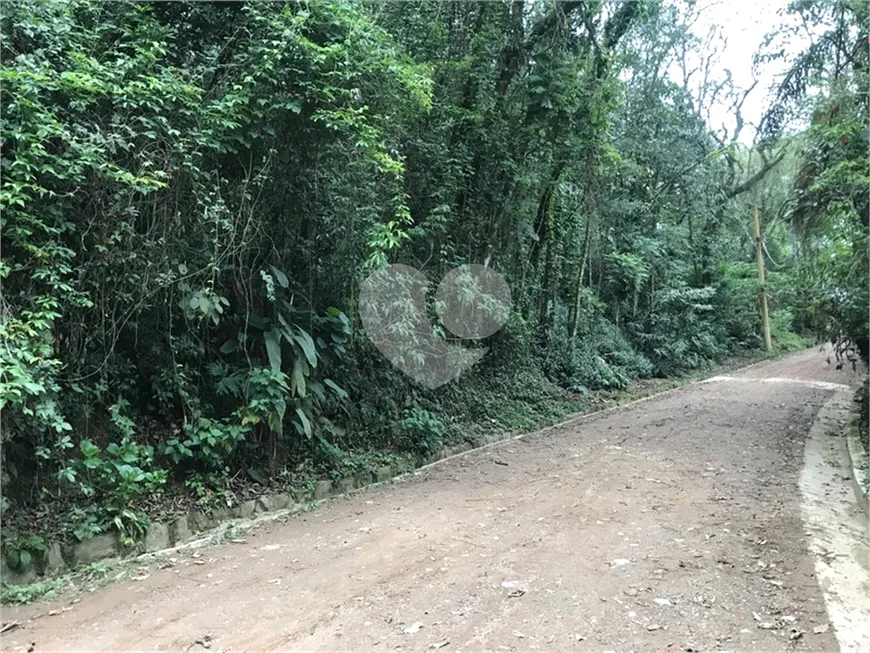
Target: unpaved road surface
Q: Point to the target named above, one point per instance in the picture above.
(672, 524)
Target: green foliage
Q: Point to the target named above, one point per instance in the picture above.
(205, 443)
(781, 324)
(28, 389)
(120, 472)
(109, 480)
(115, 475)
(23, 594)
(680, 332)
(192, 194)
(339, 464)
(21, 551)
(497, 400)
(131, 235)
(600, 359)
(420, 431)
(829, 206)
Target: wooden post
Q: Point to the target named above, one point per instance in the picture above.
(759, 253)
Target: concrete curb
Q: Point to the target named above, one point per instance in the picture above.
(834, 526)
(859, 463)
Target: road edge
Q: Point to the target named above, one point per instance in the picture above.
(859, 465)
(575, 418)
(835, 528)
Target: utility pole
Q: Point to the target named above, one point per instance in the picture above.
(759, 253)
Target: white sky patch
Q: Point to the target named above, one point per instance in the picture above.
(743, 25)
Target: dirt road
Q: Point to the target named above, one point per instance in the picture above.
(672, 524)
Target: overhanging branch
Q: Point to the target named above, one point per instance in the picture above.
(747, 185)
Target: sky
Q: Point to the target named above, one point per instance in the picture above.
(744, 24)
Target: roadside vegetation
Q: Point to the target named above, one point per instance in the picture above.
(192, 194)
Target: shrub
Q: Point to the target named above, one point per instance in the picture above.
(421, 432)
(680, 332)
(781, 331)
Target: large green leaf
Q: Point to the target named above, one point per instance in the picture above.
(286, 324)
(280, 277)
(273, 348)
(336, 388)
(302, 337)
(303, 419)
(297, 379)
(258, 321)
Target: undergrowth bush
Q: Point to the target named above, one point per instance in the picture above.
(781, 324)
(420, 432)
(681, 332)
(600, 358)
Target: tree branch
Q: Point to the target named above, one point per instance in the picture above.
(747, 185)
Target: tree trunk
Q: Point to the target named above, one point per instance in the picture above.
(578, 291)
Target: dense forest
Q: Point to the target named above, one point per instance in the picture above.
(193, 194)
